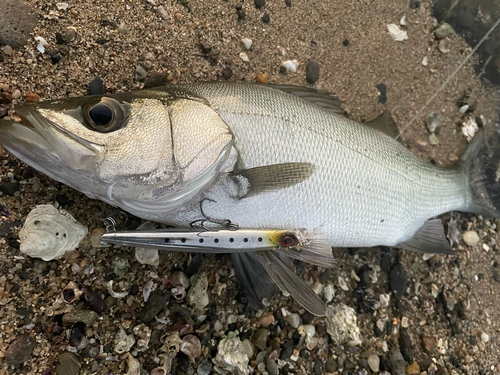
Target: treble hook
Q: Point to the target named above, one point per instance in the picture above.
(110, 224)
(227, 224)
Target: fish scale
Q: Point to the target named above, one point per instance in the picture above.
(366, 189)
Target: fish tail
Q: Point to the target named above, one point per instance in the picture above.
(482, 165)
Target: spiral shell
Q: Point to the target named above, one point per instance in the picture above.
(48, 234)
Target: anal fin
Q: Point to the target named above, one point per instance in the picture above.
(384, 123)
(429, 239)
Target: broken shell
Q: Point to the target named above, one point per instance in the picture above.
(123, 342)
(71, 293)
(112, 293)
(443, 46)
(134, 366)
(144, 333)
(48, 233)
(93, 299)
(191, 347)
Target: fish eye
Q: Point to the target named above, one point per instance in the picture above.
(101, 114)
(105, 114)
(289, 240)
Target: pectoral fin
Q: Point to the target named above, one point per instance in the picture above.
(430, 239)
(289, 282)
(385, 124)
(270, 178)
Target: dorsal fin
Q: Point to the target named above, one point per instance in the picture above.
(322, 99)
(385, 124)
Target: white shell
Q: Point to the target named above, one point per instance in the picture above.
(341, 324)
(398, 34)
(48, 234)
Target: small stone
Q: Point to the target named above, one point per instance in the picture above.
(8, 50)
(191, 347)
(259, 338)
(227, 73)
(496, 276)
(266, 18)
(123, 28)
(31, 97)
(374, 362)
(17, 20)
(244, 57)
(429, 344)
(20, 350)
(69, 364)
(95, 238)
(293, 320)
(312, 72)
(397, 280)
(425, 61)
(140, 72)
(331, 365)
(405, 346)
(120, 266)
(443, 46)
(397, 362)
(55, 57)
(266, 320)
(123, 342)
(69, 35)
(433, 139)
(329, 293)
(443, 30)
(205, 47)
(470, 237)
(96, 87)
(485, 337)
(413, 369)
(249, 348)
(16, 94)
(85, 316)
(198, 296)
(247, 43)
(261, 78)
(260, 3)
(156, 303)
(433, 122)
(291, 65)
(398, 34)
(240, 11)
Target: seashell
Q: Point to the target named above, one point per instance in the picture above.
(71, 293)
(48, 234)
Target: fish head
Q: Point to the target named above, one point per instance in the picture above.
(147, 150)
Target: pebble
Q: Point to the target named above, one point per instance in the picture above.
(69, 34)
(227, 73)
(17, 20)
(240, 11)
(179, 278)
(85, 316)
(331, 365)
(260, 3)
(198, 296)
(16, 94)
(120, 266)
(293, 320)
(266, 320)
(496, 276)
(96, 87)
(485, 337)
(55, 57)
(247, 43)
(433, 139)
(32, 97)
(123, 342)
(405, 346)
(470, 237)
(205, 47)
(443, 46)
(413, 369)
(95, 238)
(398, 34)
(397, 280)
(266, 18)
(20, 350)
(291, 65)
(249, 348)
(9, 188)
(156, 302)
(329, 293)
(429, 344)
(261, 78)
(140, 72)
(464, 109)
(244, 57)
(443, 30)
(374, 362)
(8, 50)
(69, 364)
(397, 362)
(425, 61)
(312, 72)
(259, 338)
(433, 122)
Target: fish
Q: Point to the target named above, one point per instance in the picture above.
(239, 155)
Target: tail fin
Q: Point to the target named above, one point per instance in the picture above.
(482, 165)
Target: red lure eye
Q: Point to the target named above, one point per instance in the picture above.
(288, 241)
